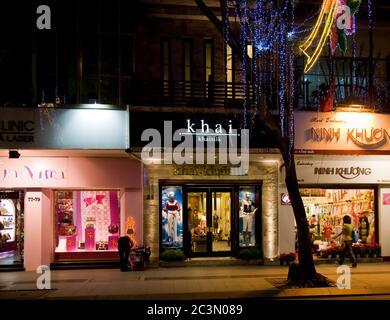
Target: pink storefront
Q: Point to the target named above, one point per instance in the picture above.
(66, 205)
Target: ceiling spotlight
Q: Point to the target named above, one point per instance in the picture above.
(14, 154)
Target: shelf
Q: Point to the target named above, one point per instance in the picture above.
(6, 215)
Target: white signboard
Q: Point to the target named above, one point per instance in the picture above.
(345, 170)
(60, 128)
(328, 131)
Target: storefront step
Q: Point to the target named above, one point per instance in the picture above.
(11, 267)
(63, 265)
(211, 262)
(359, 260)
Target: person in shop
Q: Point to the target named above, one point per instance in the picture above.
(124, 246)
(364, 226)
(347, 241)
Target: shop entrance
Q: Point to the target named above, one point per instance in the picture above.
(11, 229)
(209, 212)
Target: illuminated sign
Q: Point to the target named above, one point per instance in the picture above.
(342, 131)
(204, 133)
(62, 128)
(319, 169)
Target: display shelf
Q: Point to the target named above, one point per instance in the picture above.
(7, 229)
(6, 215)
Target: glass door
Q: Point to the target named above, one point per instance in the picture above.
(209, 221)
(197, 221)
(221, 221)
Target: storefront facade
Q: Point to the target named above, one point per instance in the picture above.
(342, 167)
(80, 189)
(199, 200)
(213, 219)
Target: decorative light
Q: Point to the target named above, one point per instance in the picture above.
(328, 11)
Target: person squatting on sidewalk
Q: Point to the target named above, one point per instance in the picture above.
(124, 246)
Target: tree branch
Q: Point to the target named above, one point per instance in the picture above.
(232, 41)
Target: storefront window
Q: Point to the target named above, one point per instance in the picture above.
(248, 208)
(87, 220)
(325, 209)
(11, 227)
(172, 217)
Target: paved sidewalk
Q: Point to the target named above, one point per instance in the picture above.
(191, 283)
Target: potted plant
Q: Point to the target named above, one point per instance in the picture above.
(172, 258)
(287, 258)
(250, 254)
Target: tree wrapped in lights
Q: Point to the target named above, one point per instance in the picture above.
(264, 38)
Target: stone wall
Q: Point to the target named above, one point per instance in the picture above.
(267, 172)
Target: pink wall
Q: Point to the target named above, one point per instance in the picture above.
(47, 227)
(132, 205)
(35, 203)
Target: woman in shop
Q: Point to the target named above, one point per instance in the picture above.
(347, 241)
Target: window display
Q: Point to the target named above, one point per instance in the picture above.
(247, 212)
(7, 220)
(11, 227)
(87, 220)
(172, 218)
(325, 209)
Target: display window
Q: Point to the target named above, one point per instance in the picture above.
(247, 212)
(172, 217)
(11, 227)
(87, 220)
(210, 219)
(325, 209)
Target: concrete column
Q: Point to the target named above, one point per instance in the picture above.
(38, 229)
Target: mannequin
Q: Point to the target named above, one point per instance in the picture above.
(247, 211)
(172, 208)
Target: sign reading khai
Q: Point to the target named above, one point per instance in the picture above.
(342, 131)
(199, 144)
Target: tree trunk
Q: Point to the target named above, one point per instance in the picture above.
(305, 256)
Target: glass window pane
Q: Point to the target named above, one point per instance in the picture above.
(247, 210)
(221, 203)
(172, 217)
(87, 221)
(197, 219)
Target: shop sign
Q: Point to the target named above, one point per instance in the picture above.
(15, 131)
(29, 172)
(60, 128)
(285, 199)
(386, 199)
(342, 131)
(198, 148)
(202, 170)
(32, 172)
(314, 169)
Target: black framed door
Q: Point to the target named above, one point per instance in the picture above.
(209, 220)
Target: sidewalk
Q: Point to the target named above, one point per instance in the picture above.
(191, 283)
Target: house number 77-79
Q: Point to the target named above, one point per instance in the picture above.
(33, 199)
